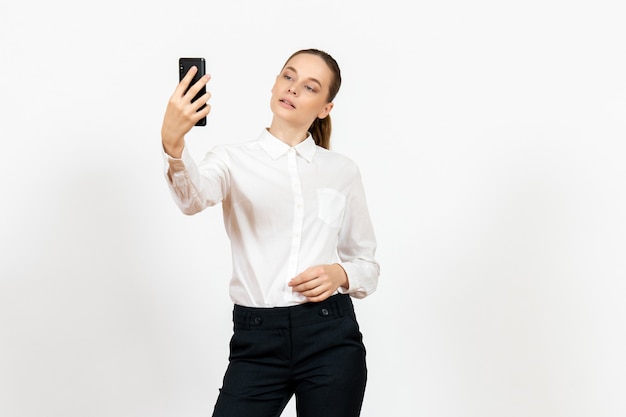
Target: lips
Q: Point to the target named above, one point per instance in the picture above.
(287, 102)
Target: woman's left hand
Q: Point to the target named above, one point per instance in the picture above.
(317, 283)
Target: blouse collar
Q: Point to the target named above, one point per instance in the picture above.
(277, 148)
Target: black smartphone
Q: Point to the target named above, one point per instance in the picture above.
(184, 64)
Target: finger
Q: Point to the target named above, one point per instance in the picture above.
(203, 100)
(184, 83)
(197, 109)
(297, 280)
(197, 86)
(306, 275)
(321, 297)
(320, 288)
(306, 285)
(200, 114)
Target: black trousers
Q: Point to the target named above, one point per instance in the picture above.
(313, 351)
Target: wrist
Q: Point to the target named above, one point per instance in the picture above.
(175, 151)
(344, 282)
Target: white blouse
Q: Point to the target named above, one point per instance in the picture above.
(285, 209)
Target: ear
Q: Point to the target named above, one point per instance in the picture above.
(325, 111)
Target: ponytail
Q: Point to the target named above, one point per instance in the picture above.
(320, 130)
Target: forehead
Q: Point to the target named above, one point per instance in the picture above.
(311, 66)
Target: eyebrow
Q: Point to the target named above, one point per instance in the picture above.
(310, 78)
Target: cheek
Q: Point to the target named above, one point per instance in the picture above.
(275, 86)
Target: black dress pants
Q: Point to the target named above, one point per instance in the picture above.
(313, 351)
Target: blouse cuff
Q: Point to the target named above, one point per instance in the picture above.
(355, 288)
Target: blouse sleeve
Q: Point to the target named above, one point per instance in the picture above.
(357, 244)
(195, 187)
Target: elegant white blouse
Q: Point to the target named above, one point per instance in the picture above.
(285, 209)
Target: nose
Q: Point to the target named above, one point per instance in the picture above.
(292, 90)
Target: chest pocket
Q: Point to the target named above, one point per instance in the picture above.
(331, 206)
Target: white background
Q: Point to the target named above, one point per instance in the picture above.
(490, 135)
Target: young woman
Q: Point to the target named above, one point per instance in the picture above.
(302, 245)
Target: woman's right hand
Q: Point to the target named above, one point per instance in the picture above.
(181, 114)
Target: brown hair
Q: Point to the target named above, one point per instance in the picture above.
(320, 129)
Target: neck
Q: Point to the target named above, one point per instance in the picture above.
(291, 135)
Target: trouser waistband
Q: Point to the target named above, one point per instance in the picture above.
(305, 314)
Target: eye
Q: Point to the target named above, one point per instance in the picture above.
(310, 88)
(287, 77)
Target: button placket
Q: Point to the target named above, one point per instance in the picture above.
(298, 214)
